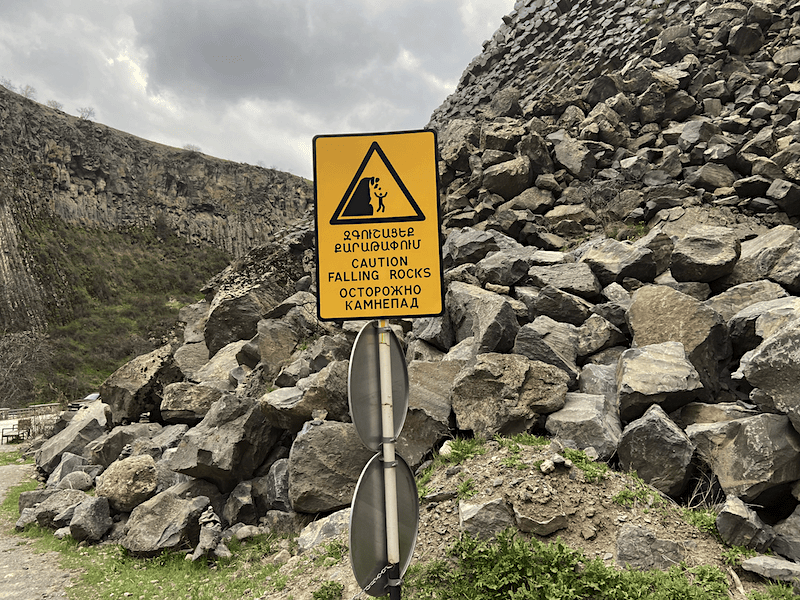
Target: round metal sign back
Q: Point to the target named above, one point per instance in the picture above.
(368, 554)
(364, 386)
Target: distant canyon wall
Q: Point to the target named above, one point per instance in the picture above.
(91, 175)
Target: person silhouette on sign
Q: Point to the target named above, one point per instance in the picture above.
(360, 205)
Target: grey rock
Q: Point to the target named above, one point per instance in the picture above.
(90, 520)
(55, 504)
(136, 387)
(654, 434)
(751, 457)
(429, 410)
(575, 157)
(574, 278)
(228, 445)
(108, 447)
(760, 254)
(241, 505)
(323, 530)
(187, 403)
(486, 316)
(773, 369)
(549, 342)
(510, 178)
(659, 314)
(505, 393)
(88, 424)
(705, 254)
(773, 567)
(324, 465)
(655, 374)
(612, 261)
(587, 420)
(740, 297)
(756, 322)
(485, 520)
(165, 522)
(638, 547)
(740, 526)
(129, 482)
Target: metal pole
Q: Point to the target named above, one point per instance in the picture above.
(389, 460)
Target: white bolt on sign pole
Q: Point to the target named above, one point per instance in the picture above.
(389, 460)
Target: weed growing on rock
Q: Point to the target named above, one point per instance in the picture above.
(514, 567)
(638, 492)
(704, 519)
(734, 555)
(330, 590)
(593, 471)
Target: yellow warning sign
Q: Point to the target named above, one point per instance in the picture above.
(377, 225)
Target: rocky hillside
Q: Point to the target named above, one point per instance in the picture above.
(91, 175)
(621, 262)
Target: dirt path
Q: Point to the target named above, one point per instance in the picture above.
(24, 573)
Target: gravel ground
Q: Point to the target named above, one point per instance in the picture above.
(24, 573)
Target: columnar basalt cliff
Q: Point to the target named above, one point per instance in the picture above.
(622, 263)
(91, 175)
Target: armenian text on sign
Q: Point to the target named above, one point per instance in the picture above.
(377, 225)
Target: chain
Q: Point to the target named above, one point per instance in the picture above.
(373, 582)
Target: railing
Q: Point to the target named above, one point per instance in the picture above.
(31, 411)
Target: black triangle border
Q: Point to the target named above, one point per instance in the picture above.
(375, 147)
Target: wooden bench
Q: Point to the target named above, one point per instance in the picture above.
(16, 433)
(11, 434)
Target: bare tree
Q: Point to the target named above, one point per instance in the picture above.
(55, 104)
(6, 83)
(86, 113)
(192, 147)
(23, 356)
(28, 91)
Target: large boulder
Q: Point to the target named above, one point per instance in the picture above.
(128, 482)
(91, 520)
(429, 409)
(165, 522)
(661, 314)
(324, 465)
(228, 445)
(587, 420)
(704, 254)
(753, 458)
(107, 448)
(506, 394)
(655, 374)
(489, 317)
(137, 386)
(187, 403)
(773, 369)
(289, 408)
(655, 435)
(612, 261)
(88, 424)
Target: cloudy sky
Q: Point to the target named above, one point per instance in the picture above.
(246, 80)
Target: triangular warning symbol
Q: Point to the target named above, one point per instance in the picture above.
(376, 194)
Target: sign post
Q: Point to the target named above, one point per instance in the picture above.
(378, 257)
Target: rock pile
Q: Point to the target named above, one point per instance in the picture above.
(621, 269)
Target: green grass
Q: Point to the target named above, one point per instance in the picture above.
(118, 295)
(637, 492)
(512, 567)
(593, 471)
(461, 449)
(14, 458)
(704, 519)
(110, 572)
